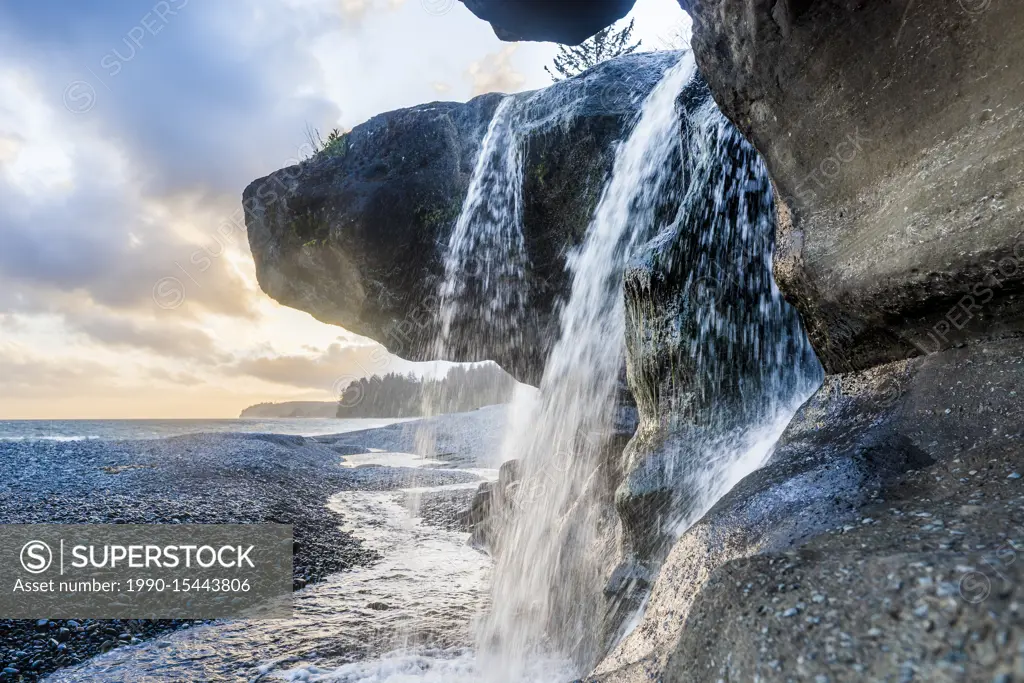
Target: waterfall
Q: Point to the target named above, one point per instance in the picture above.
(723, 364)
(719, 365)
(484, 265)
(546, 586)
(746, 364)
(685, 189)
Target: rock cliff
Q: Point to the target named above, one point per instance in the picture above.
(880, 537)
(893, 134)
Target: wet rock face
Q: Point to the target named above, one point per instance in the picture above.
(712, 348)
(934, 441)
(356, 236)
(493, 503)
(892, 133)
(892, 138)
(562, 22)
(924, 562)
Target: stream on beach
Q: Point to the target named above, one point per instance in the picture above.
(408, 617)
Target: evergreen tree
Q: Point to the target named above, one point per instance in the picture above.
(600, 47)
(464, 388)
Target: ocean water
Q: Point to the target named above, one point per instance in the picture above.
(76, 430)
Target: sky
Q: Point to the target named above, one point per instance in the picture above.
(128, 130)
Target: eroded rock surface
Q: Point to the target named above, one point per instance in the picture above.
(922, 580)
(712, 347)
(893, 132)
(925, 585)
(914, 436)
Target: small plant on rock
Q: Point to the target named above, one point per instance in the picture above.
(334, 145)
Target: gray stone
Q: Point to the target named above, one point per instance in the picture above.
(855, 438)
(892, 134)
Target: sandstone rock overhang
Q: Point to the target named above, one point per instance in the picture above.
(357, 236)
(561, 21)
(893, 134)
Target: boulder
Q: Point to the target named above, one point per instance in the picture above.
(560, 22)
(493, 503)
(926, 587)
(925, 436)
(479, 506)
(356, 235)
(892, 132)
(926, 563)
(509, 473)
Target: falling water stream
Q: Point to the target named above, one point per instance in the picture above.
(484, 262)
(535, 615)
(544, 593)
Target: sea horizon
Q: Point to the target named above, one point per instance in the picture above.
(81, 429)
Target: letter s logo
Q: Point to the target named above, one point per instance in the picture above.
(36, 557)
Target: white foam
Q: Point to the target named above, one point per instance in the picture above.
(382, 459)
(89, 437)
(426, 666)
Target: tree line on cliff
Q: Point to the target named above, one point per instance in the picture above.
(464, 388)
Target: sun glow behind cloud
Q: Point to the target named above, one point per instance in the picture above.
(113, 183)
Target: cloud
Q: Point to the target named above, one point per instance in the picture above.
(69, 388)
(165, 338)
(128, 129)
(333, 368)
(183, 379)
(355, 9)
(186, 100)
(10, 147)
(200, 95)
(102, 242)
(32, 377)
(336, 366)
(495, 73)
